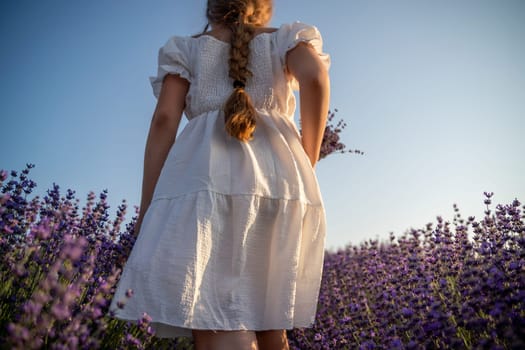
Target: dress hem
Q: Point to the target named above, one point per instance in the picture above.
(169, 330)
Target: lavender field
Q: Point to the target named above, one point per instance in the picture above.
(454, 284)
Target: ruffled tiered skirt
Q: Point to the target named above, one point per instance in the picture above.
(234, 236)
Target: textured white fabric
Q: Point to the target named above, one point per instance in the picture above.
(234, 236)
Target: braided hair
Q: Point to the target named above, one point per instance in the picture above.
(241, 17)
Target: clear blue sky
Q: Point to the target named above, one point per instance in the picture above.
(433, 92)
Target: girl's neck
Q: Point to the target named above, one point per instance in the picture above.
(220, 31)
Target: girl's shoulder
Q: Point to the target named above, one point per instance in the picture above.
(284, 37)
(285, 27)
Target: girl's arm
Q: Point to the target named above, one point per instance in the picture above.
(304, 64)
(162, 132)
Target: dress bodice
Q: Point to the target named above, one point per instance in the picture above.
(203, 61)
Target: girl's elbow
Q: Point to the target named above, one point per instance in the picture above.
(319, 81)
(164, 121)
(323, 80)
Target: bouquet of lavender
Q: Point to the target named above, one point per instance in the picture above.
(331, 139)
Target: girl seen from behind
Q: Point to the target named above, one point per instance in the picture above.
(232, 223)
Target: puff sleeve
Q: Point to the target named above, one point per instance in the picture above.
(173, 59)
(292, 34)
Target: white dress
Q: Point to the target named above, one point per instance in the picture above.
(234, 236)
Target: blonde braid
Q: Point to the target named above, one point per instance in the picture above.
(239, 113)
(241, 16)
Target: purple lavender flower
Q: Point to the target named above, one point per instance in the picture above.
(331, 142)
(452, 284)
(429, 288)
